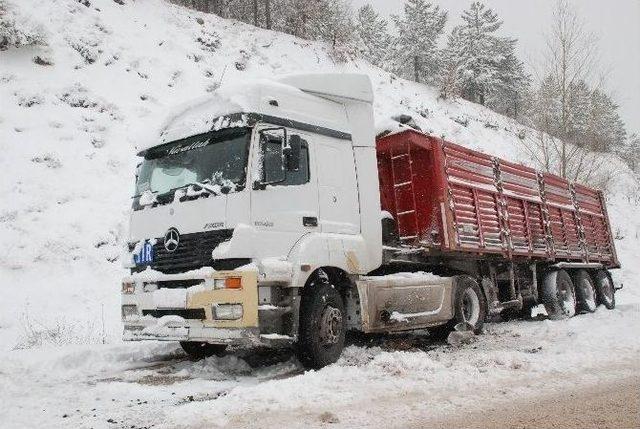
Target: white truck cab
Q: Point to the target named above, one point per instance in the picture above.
(244, 199)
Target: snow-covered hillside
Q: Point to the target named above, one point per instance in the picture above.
(74, 110)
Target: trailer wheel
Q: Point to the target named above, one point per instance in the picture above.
(322, 326)
(585, 292)
(558, 295)
(200, 350)
(605, 291)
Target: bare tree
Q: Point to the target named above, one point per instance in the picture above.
(571, 56)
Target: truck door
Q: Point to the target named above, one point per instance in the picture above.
(337, 186)
(284, 204)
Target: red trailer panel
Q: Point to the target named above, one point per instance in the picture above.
(449, 198)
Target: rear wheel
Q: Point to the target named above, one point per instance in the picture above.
(605, 291)
(322, 325)
(558, 295)
(585, 292)
(200, 350)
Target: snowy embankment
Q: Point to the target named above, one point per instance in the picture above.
(68, 135)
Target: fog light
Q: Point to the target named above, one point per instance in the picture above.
(129, 310)
(227, 311)
(128, 288)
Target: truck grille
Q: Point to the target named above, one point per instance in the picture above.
(193, 252)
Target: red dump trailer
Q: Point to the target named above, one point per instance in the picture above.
(454, 199)
(462, 211)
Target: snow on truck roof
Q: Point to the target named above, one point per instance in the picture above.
(310, 99)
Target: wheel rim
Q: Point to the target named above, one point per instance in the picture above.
(330, 326)
(470, 307)
(566, 299)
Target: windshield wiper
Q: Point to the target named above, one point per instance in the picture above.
(203, 185)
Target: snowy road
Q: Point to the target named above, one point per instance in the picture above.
(401, 382)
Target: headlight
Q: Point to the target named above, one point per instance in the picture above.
(227, 311)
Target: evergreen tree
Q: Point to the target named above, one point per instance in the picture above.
(415, 48)
(480, 52)
(511, 85)
(374, 38)
(451, 61)
(481, 66)
(335, 25)
(605, 131)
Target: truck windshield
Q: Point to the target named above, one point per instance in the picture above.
(218, 159)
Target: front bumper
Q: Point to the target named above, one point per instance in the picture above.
(154, 312)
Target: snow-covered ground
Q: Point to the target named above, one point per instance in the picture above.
(68, 134)
(399, 382)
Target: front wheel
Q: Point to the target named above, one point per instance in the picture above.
(322, 325)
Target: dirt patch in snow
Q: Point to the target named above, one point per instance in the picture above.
(608, 405)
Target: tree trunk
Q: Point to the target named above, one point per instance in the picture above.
(416, 68)
(267, 13)
(255, 12)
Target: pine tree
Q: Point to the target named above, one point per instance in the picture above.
(451, 61)
(481, 66)
(605, 130)
(374, 37)
(512, 83)
(415, 48)
(334, 25)
(481, 52)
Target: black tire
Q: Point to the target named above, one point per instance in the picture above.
(558, 295)
(200, 350)
(605, 291)
(467, 293)
(585, 292)
(322, 325)
(470, 305)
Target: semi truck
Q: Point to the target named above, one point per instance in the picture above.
(270, 213)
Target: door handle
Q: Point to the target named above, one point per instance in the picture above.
(309, 221)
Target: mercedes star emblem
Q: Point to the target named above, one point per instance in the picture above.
(171, 240)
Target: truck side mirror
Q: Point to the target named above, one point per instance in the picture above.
(272, 143)
(138, 168)
(292, 153)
